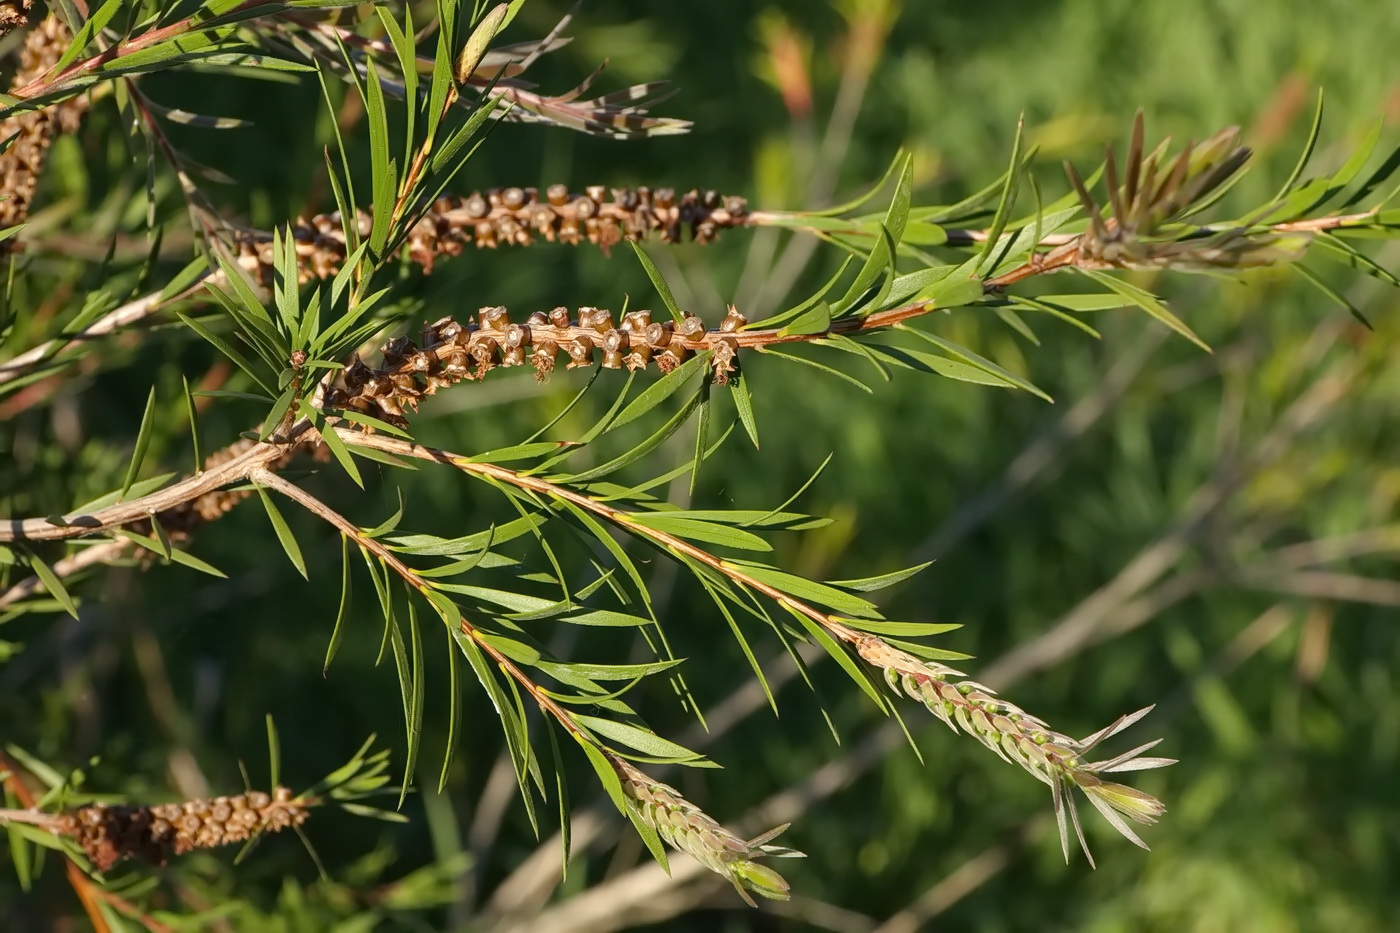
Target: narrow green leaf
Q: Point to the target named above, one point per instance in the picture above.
(815, 320)
(138, 489)
(518, 452)
(976, 360)
(905, 629)
(1312, 278)
(658, 281)
(1147, 302)
(841, 656)
(662, 389)
(174, 555)
(454, 712)
(693, 530)
(870, 584)
(702, 428)
(743, 404)
(1008, 197)
(338, 632)
(274, 754)
(642, 740)
(645, 447)
(284, 533)
(53, 584)
(1307, 152)
(382, 179)
(143, 441)
(228, 351)
(831, 371)
(807, 590)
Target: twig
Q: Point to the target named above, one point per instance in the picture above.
(103, 553)
(114, 320)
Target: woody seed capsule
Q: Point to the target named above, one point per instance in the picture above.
(558, 195)
(476, 206)
(690, 326)
(513, 199)
(585, 208)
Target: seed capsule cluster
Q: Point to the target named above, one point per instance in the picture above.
(31, 131)
(156, 833)
(451, 352)
(517, 217)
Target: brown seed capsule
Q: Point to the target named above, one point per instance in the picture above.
(596, 192)
(513, 199)
(559, 317)
(493, 195)
(450, 332)
(733, 320)
(709, 200)
(636, 321)
(484, 349)
(665, 197)
(514, 356)
(580, 352)
(723, 362)
(585, 317)
(476, 206)
(568, 231)
(602, 320)
(356, 374)
(638, 358)
(542, 219)
(537, 319)
(657, 336)
(492, 318)
(612, 360)
(508, 227)
(614, 341)
(585, 208)
(625, 198)
(558, 195)
(517, 336)
(735, 205)
(456, 363)
(486, 235)
(670, 358)
(690, 326)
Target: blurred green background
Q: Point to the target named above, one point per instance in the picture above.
(1213, 533)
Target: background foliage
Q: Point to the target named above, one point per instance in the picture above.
(1159, 515)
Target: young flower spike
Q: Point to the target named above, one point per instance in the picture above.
(1020, 738)
(686, 827)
